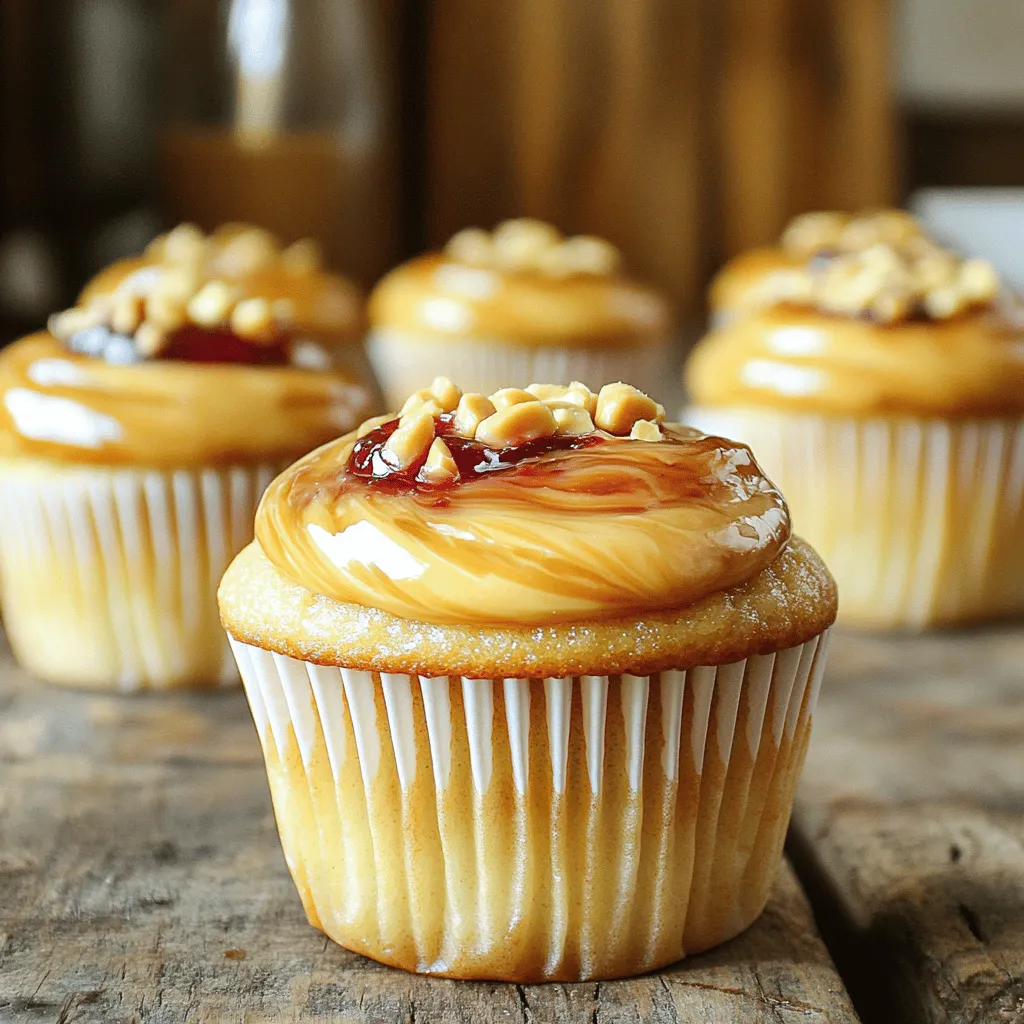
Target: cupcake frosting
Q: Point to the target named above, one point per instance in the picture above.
(869, 316)
(523, 282)
(59, 404)
(527, 507)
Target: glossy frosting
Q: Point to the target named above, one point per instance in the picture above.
(972, 364)
(616, 527)
(55, 404)
(436, 297)
(737, 285)
(321, 303)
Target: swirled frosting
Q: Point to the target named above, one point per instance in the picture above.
(523, 283)
(969, 365)
(608, 527)
(56, 404)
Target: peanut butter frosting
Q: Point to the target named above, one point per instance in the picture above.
(522, 283)
(802, 359)
(57, 404)
(239, 277)
(530, 506)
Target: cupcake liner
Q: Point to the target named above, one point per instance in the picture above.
(404, 363)
(109, 576)
(921, 521)
(529, 829)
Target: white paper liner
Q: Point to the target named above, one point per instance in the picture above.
(921, 521)
(405, 363)
(533, 829)
(109, 576)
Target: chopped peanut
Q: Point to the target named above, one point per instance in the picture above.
(149, 339)
(548, 392)
(250, 250)
(302, 257)
(516, 425)
(422, 399)
(471, 410)
(620, 405)
(410, 440)
(511, 396)
(71, 321)
(440, 467)
(165, 311)
(183, 244)
(582, 254)
(471, 246)
(520, 244)
(212, 304)
(571, 419)
(253, 320)
(445, 393)
(645, 430)
(127, 314)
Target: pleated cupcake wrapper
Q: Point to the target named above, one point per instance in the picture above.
(109, 576)
(405, 364)
(921, 521)
(533, 829)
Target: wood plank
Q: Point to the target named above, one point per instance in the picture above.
(910, 823)
(141, 880)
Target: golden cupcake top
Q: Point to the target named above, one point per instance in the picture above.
(238, 279)
(524, 283)
(530, 506)
(868, 316)
(880, 266)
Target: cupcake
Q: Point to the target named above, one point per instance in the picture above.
(521, 303)
(534, 676)
(883, 386)
(753, 278)
(136, 437)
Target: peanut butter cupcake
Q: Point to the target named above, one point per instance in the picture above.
(534, 676)
(884, 389)
(521, 303)
(136, 437)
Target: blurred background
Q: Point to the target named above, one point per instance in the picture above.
(682, 130)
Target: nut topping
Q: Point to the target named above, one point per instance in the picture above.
(440, 467)
(511, 396)
(516, 425)
(620, 405)
(525, 245)
(410, 441)
(472, 409)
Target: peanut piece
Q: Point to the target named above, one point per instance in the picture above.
(519, 244)
(149, 339)
(212, 304)
(445, 393)
(165, 311)
(440, 467)
(516, 425)
(582, 254)
(645, 430)
(979, 280)
(302, 257)
(127, 314)
(253, 320)
(410, 441)
(71, 321)
(471, 410)
(248, 251)
(471, 246)
(184, 244)
(422, 399)
(571, 419)
(511, 396)
(548, 392)
(620, 405)
(813, 232)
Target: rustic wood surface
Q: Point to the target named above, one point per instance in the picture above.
(909, 827)
(141, 880)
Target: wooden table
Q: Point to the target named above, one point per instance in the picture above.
(141, 878)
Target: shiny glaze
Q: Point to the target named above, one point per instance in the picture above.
(325, 306)
(612, 528)
(436, 297)
(55, 404)
(971, 365)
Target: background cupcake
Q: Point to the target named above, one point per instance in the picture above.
(883, 386)
(534, 676)
(521, 303)
(136, 437)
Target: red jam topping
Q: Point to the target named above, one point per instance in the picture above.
(369, 458)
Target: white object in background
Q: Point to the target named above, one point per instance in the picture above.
(986, 222)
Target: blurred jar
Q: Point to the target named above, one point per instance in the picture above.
(284, 113)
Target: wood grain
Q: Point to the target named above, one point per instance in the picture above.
(141, 881)
(910, 823)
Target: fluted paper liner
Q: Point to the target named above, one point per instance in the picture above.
(529, 829)
(405, 363)
(921, 521)
(109, 576)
